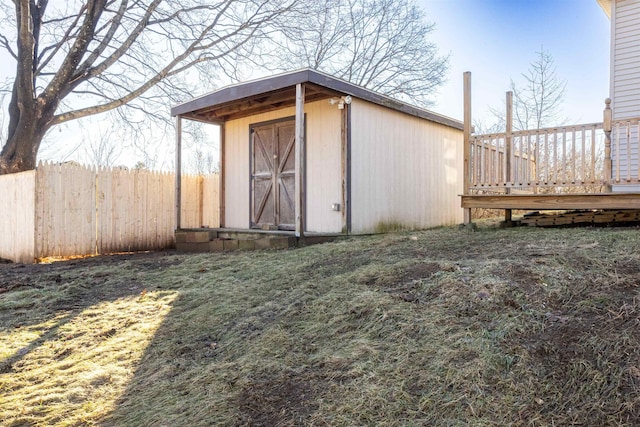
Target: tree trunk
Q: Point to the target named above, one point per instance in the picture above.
(19, 154)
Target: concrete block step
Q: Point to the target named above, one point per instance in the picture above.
(219, 241)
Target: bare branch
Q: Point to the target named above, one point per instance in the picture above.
(55, 48)
(97, 55)
(379, 44)
(5, 44)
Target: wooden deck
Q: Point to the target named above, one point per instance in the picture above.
(564, 168)
(535, 202)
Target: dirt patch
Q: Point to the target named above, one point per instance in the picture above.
(334, 266)
(392, 279)
(407, 284)
(280, 398)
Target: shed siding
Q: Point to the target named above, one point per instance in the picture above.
(324, 180)
(625, 74)
(324, 167)
(406, 172)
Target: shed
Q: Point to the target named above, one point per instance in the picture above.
(307, 152)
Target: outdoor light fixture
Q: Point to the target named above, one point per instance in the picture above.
(340, 101)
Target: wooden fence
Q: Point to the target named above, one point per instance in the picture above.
(17, 199)
(68, 209)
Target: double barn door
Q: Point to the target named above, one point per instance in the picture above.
(273, 175)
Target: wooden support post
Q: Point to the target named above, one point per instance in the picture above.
(466, 179)
(508, 150)
(345, 166)
(299, 165)
(221, 178)
(607, 119)
(178, 169)
(508, 142)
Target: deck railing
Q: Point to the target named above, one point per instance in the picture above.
(625, 148)
(568, 156)
(586, 158)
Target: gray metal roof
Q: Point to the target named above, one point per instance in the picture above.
(278, 91)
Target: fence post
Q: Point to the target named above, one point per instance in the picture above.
(508, 150)
(607, 145)
(466, 138)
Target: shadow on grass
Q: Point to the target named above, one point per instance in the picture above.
(72, 334)
(224, 354)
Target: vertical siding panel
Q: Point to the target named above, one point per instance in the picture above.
(406, 171)
(324, 167)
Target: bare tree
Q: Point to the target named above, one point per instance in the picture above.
(103, 149)
(82, 57)
(537, 103)
(382, 45)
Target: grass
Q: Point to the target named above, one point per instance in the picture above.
(442, 327)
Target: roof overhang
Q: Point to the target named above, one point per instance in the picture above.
(606, 6)
(279, 91)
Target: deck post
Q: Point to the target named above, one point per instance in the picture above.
(466, 179)
(607, 145)
(178, 168)
(299, 165)
(508, 151)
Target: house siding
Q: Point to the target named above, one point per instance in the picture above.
(625, 77)
(406, 172)
(323, 174)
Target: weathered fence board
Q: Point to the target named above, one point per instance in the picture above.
(69, 209)
(65, 197)
(17, 197)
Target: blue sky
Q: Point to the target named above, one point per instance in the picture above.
(497, 39)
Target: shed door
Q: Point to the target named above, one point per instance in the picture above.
(273, 175)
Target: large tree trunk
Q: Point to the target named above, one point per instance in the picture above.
(26, 131)
(19, 154)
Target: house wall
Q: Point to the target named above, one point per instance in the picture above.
(626, 59)
(323, 175)
(625, 74)
(406, 172)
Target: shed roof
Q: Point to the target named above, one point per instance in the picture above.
(279, 91)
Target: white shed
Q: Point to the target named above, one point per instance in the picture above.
(307, 152)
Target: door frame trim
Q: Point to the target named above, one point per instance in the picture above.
(251, 225)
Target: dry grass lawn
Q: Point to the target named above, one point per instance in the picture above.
(524, 327)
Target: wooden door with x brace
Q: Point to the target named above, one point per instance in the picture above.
(273, 175)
